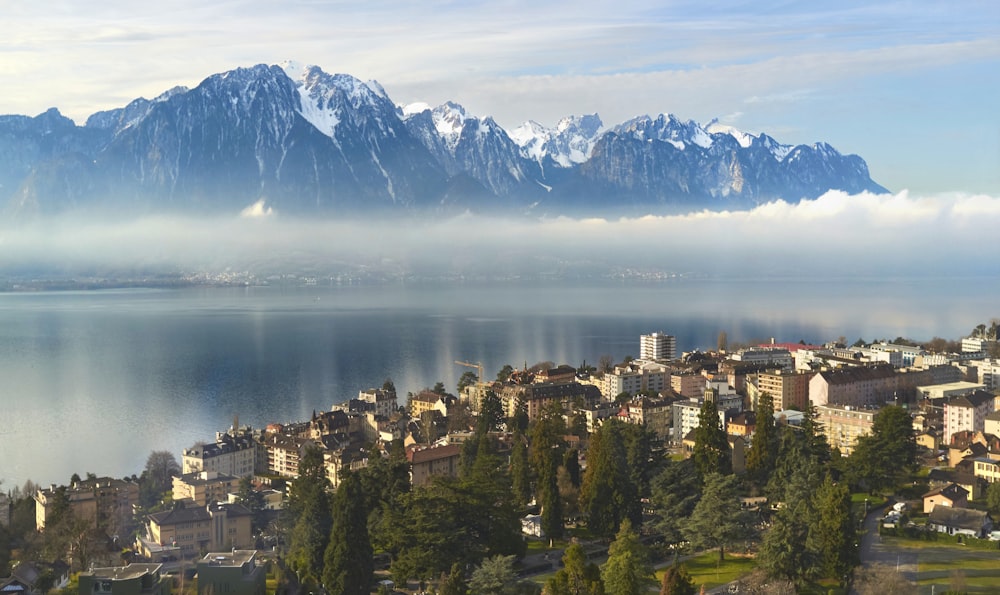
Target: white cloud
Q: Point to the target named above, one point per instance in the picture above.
(847, 234)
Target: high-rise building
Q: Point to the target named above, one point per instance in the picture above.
(657, 346)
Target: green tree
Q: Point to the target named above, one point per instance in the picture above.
(711, 444)
(888, 455)
(717, 519)
(504, 374)
(763, 451)
(676, 581)
(627, 570)
(494, 576)
(993, 499)
(253, 500)
(491, 412)
(673, 494)
(439, 389)
(454, 582)
(309, 508)
(832, 536)
(609, 494)
(519, 469)
(348, 562)
(577, 576)
(546, 453)
(157, 477)
(467, 379)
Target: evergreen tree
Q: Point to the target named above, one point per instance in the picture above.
(673, 494)
(519, 470)
(309, 507)
(832, 535)
(348, 563)
(676, 581)
(711, 444)
(577, 576)
(717, 520)
(253, 500)
(454, 582)
(763, 451)
(816, 444)
(547, 447)
(494, 576)
(609, 493)
(627, 570)
(884, 458)
(791, 455)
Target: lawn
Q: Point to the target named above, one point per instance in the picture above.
(706, 570)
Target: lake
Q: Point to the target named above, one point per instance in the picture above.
(94, 381)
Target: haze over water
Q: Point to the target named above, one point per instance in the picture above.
(93, 381)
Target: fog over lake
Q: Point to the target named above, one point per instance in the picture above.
(95, 380)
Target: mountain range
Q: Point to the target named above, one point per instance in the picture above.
(301, 141)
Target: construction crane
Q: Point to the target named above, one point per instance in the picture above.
(478, 366)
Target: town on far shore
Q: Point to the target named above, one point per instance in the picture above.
(759, 468)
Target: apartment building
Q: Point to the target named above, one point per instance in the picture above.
(844, 424)
(205, 487)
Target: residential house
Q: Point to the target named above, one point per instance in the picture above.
(742, 424)
(134, 579)
(960, 521)
(952, 495)
(986, 468)
(975, 486)
(427, 401)
(234, 572)
(32, 578)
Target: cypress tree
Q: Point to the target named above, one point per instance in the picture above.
(348, 561)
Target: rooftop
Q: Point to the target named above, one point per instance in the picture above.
(131, 571)
(233, 558)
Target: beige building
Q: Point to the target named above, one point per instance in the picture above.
(655, 414)
(843, 425)
(431, 461)
(427, 401)
(635, 377)
(205, 487)
(234, 453)
(855, 387)
(187, 532)
(536, 397)
(986, 468)
(689, 385)
(104, 501)
(788, 390)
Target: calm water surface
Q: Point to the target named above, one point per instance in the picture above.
(93, 381)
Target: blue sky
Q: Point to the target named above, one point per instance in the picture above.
(910, 86)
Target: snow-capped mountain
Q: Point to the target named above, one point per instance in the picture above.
(570, 143)
(308, 142)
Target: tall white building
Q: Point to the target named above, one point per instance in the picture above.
(657, 346)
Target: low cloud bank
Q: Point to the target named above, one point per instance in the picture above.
(836, 234)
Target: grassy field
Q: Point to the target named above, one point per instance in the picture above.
(706, 570)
